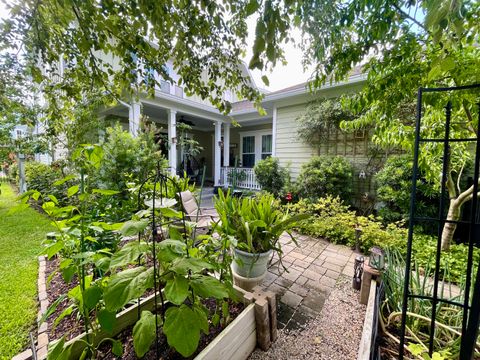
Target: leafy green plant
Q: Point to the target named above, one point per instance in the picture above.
(271, 176)
(394, 183)
(183, 278)
(256, 223)
(448, 319)
(182, 274)
(77, 242)
(333, 220)
(320, 118)
(41, 177)
(326, 175)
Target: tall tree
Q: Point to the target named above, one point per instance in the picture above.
(109, 48)
(403, 45)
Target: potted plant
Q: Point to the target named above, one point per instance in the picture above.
(255, 226)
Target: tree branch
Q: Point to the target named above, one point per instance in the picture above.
(466, 195)
(460, 177)
(409, 17)
(451, 186)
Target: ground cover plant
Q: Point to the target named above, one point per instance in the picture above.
(333, 220)
(21, 235)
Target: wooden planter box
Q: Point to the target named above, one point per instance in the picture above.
(255, 325)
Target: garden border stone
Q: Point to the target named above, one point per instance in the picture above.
(42, 333)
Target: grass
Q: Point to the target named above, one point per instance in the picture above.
(21, 235)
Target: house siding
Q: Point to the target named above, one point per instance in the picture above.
(290, 150)
(293, 152)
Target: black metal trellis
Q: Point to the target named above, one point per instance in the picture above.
(471, 309)
(158, 221)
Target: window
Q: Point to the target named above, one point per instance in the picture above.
(266, 146)
(255, 146)
(248, 151)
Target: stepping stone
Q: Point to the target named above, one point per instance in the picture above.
(284, 314)
(314, 300)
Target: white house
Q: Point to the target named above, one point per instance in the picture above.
(224, 145)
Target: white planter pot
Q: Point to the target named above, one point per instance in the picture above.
(250, 265)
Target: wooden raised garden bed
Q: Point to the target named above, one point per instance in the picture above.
(255, 325)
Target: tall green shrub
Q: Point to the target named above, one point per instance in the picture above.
(326, 175)
(394, 188)
(271, 176)
(127, 158)
(42, 177)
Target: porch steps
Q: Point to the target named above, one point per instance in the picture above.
(207, 197)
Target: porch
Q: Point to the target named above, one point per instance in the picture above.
(228, 152)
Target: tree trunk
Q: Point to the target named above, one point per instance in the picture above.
(449, 228)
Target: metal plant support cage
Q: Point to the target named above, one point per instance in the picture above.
(471, 309)
(157, 234)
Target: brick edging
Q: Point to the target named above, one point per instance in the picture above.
(42, 337)
(42, 342)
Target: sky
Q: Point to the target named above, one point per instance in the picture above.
(281, 77)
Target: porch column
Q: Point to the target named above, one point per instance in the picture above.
(172, 141)
(226, 145)
(134, 113)
(218, 152)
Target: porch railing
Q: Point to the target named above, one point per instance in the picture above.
(242, 178)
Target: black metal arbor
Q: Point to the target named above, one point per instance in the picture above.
(471, 303)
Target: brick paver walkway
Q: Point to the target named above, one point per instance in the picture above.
(313, 269)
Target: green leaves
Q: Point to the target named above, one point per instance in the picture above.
(129, 254)
(72, 190)
(182, 328)
(107, 320)
(144, 332)
(176, 289)
(133, 227)
(183, 265)
(127, 285)
(208, 287)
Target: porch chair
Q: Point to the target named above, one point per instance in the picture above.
(203, 217)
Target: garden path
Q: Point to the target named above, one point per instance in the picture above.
(313, 269)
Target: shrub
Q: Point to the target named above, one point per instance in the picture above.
(394, 184)
(326, 175)
(127, 158)
(41, 177)
(271, 176)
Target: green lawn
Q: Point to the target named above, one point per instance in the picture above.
(21, 234)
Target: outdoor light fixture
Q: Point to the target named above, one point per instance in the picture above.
(174, 140)
(357, 272)
(362, 175)
(358, 233)
(220, 143)
(377, 258)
